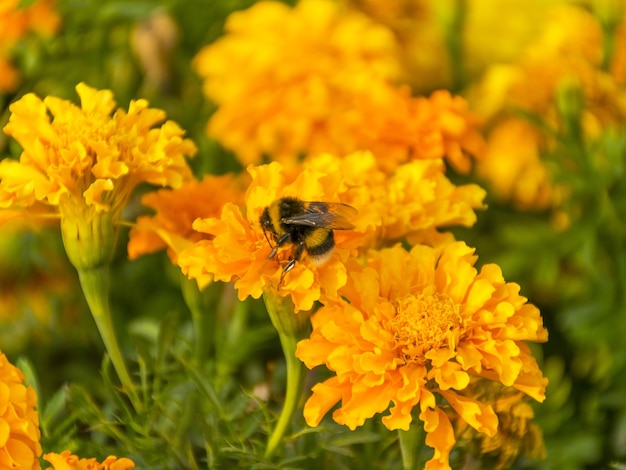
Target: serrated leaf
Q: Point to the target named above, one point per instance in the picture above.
(53, 409)
(27, 369)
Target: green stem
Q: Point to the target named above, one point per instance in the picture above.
(296, 373)
(95, 285)
(291, 327)
(410, 444)
(203, 319)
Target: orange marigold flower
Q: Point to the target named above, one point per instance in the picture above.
(282, 105)
(340, 101)
(512, 164)
(175, 211)
(412, 203)
(420, 32)
(236, 249)
(82, 165)
(419, 325)
(559, 78)
(19, 421)
(517, 435)
(67, 461)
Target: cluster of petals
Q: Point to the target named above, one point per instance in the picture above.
(19, 421)
(341, 100)
(175, 210)
(411, 204)
(68, 461)
(414, 329)
(236, 248)
(86, 157)
(565, 58)
(517, 434)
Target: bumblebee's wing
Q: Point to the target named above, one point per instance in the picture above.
(333, 215)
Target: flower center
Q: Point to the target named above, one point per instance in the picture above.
(426, 322)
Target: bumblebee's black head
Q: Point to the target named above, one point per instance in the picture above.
(266, 220)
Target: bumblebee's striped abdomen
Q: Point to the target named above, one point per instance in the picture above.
(319, 244)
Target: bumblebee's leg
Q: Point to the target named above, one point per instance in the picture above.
(280, 242)
(296, 257)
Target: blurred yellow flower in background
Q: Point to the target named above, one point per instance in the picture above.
(559, 77)
(306, 68)
(419, 28)
(445, 43)
(513, 166)
(67, 461)
(37, 290)
(414, 329)
(15, 22)
(19, 421)
(343, 98)
(175, 211)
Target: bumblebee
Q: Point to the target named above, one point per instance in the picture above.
(307, 225)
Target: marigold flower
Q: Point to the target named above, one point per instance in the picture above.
(413, 203)
(341, 101)
(559, 78)
(410, 204)
(517, 435)
(84, 164)
(236, 249)
(512, 164)
(414, 330)
(19, 421)
(282, 104)
(67, 461)
(176, 209)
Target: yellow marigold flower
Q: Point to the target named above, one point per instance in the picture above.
(406, 128)
(512, 164)
(15, 23)
(418, 26)
(283, 105)
(517, 435)
(559, 77)
(67, 461)
(236, 248)
(340, 101)
(570, 46)
(412, 203)
(483, 23)
(175, 211)
(19, 421)
(414, 329)
(84, 164)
